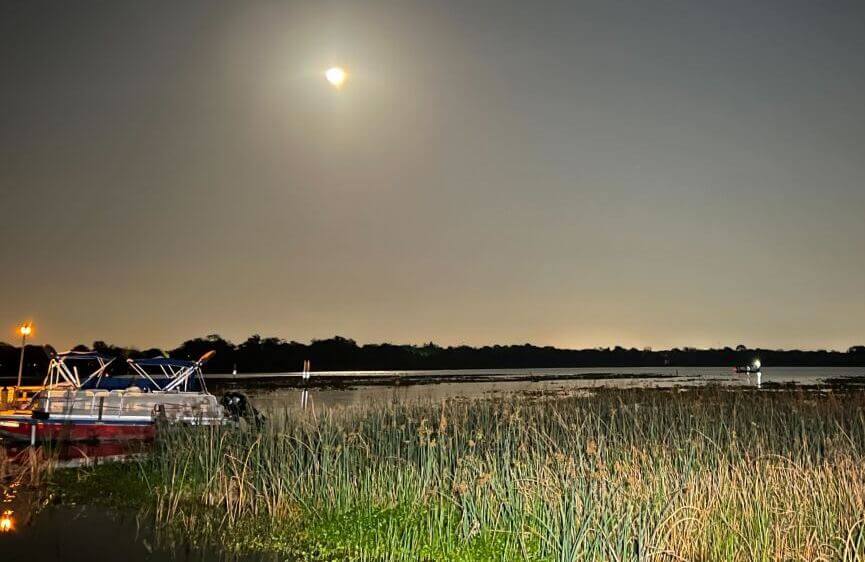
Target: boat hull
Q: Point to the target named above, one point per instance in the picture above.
(31, 430)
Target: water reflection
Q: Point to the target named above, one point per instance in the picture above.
(7, 516)
(270, 392)
(23, 470)
(63, 533)
(71, 455)
(35, 525)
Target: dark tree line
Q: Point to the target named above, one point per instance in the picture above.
(259, 355)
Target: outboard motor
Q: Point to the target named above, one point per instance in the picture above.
(237, 407)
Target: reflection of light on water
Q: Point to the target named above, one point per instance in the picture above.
(7, 522)
(7, 519)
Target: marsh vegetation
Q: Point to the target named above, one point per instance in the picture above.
(619, 475)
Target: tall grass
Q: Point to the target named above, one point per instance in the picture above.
(620, 475)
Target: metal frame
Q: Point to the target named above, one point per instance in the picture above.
(59, 371)
(178, 374)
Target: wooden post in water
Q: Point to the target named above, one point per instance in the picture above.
(304, 396)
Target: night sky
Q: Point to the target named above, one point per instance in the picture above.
(567, 173)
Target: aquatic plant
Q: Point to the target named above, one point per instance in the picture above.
(620, 475)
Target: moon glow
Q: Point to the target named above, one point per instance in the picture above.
(336, 76)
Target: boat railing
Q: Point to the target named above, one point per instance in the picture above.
(104, 403)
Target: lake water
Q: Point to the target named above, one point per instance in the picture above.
(86, 533)
(327, 389)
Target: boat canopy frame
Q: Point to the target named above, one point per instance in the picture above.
(177, 372)
(62, 368)
(165, 375)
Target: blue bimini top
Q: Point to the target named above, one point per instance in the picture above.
(124, 382)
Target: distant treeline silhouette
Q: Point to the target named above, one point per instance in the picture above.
(262, 355)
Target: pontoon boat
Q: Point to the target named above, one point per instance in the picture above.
(109, 408)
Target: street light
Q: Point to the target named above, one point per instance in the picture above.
(25, 330)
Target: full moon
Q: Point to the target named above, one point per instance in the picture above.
(336, 76)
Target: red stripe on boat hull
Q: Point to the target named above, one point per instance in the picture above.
(47, 431)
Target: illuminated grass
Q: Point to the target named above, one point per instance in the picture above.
(621, 475)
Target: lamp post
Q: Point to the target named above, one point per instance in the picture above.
(25, 330)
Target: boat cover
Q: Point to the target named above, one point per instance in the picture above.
(121, 383)
(164, 362)
(82, 356)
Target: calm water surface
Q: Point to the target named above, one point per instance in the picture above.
(439, 385)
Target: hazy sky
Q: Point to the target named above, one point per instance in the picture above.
(566, 173)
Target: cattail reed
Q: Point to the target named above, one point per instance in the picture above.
(705, 474)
